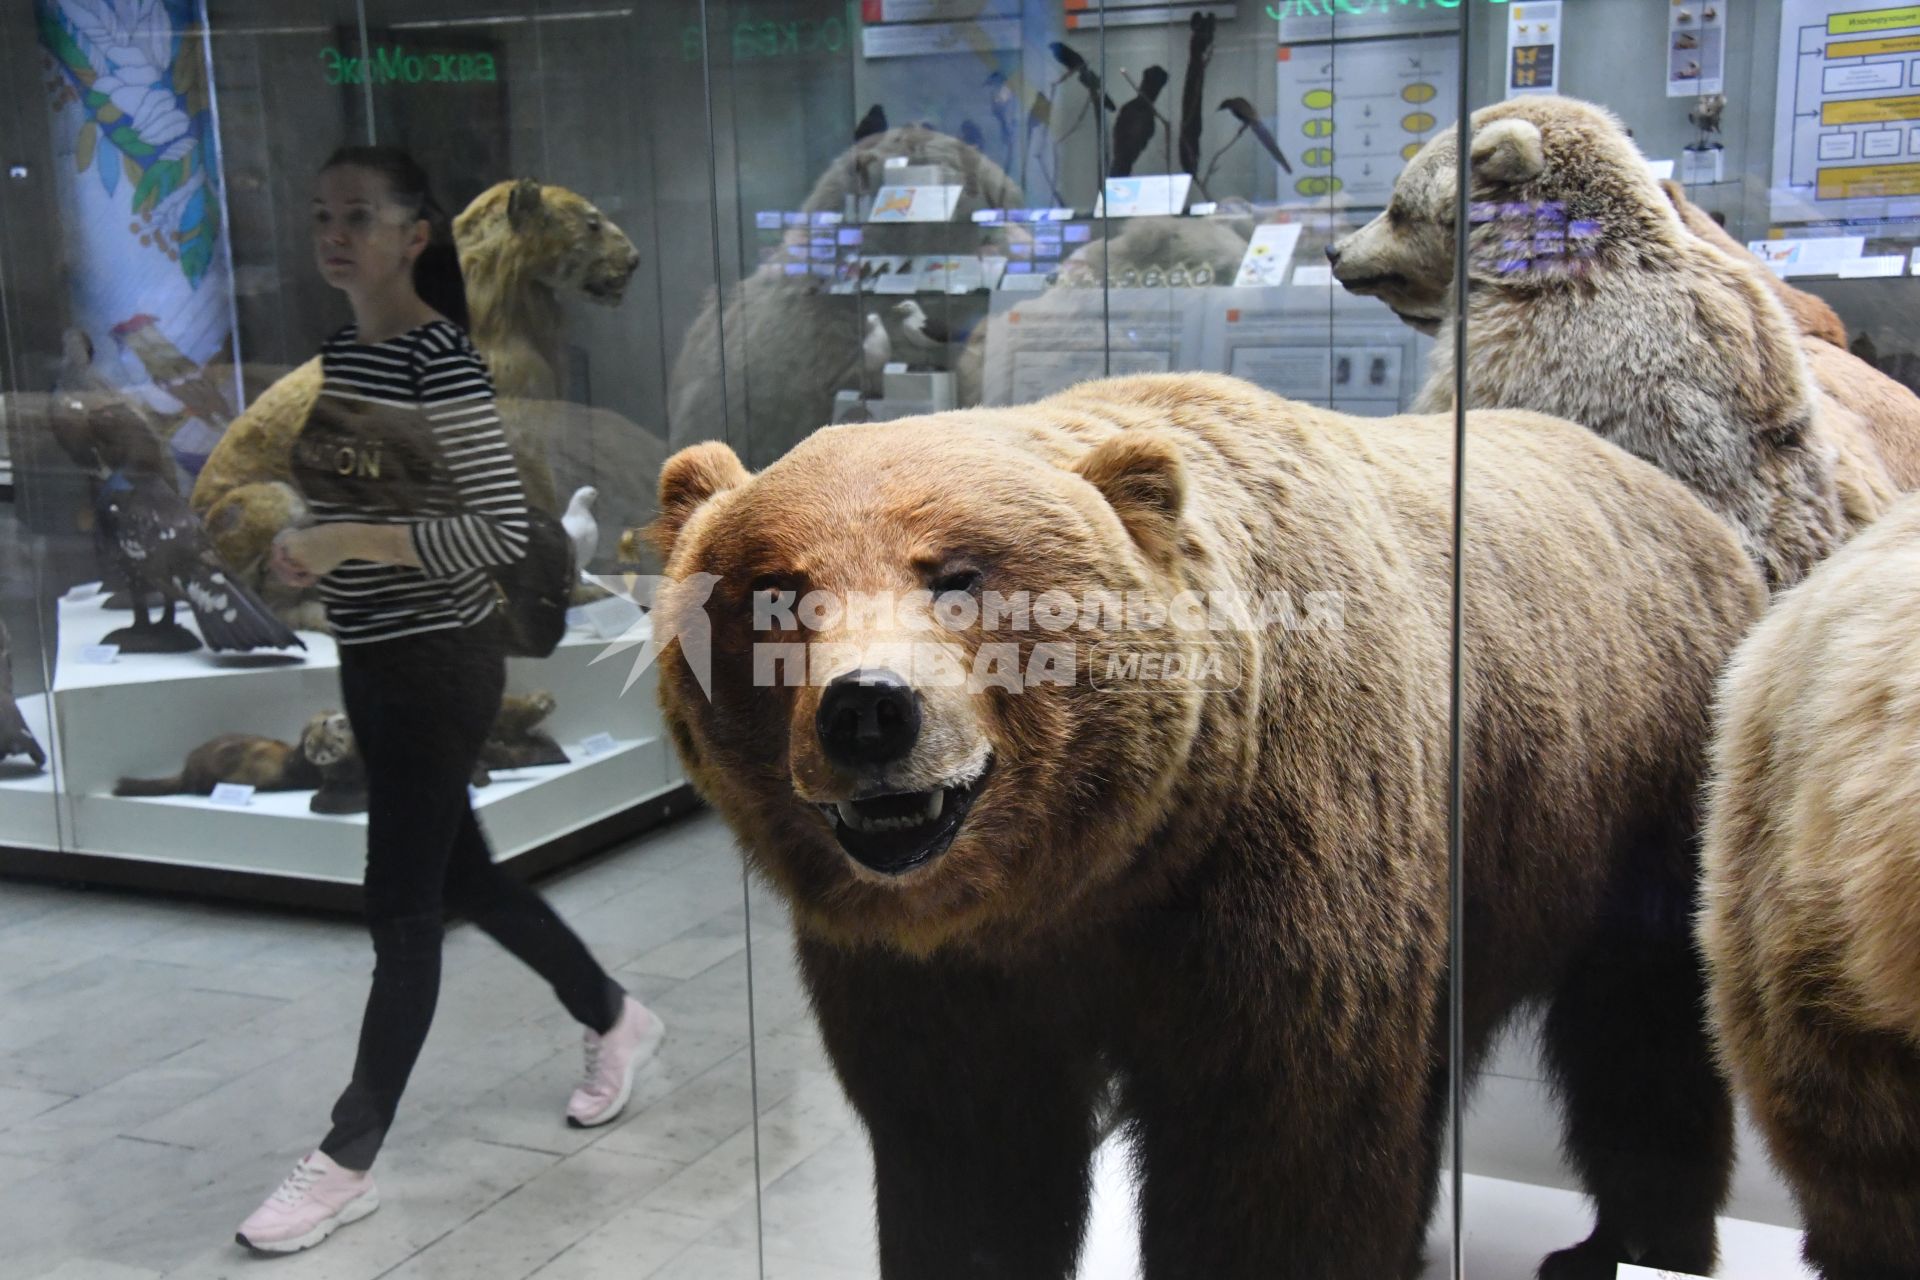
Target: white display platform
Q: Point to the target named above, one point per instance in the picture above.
(1510, 1227)
(140, 714)
(29, 807)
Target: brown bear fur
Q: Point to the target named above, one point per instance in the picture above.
(1619, 339)
(1888, 410)
(1812, 896)
(1235, 904)
(521, 245)
(1637, 330)
(1810, 315)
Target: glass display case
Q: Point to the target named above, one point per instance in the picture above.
(1259, 653)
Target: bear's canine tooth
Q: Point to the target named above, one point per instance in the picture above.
(936, 800)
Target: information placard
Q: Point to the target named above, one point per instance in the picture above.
(1352, 115)
(1846, 138)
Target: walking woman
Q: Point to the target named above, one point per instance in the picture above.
(414, 496)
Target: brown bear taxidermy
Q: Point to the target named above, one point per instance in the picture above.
(1225, 896)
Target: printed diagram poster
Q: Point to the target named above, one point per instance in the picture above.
(1533, 48)
(1846, 140)
(1696, 47)
(1352, 114)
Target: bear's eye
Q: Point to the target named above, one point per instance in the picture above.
(955, 578)
(593, 225)
(770, 583)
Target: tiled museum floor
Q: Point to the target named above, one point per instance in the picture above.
(163, 1062)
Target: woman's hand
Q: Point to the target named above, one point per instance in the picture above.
(301, 557)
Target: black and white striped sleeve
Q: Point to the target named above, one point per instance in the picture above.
(490, 526)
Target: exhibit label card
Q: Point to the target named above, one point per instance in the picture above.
(915, 203)
(599, 744)
(1163, 195)
(1268, 255)
(99, 655)
(1533, 48)
(232, 795)
(84, 591)
(1628, 1271)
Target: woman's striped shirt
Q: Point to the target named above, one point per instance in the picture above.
(471, 515)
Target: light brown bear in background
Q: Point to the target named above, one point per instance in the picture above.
(522, 246)
(1230, 895)
(1871, 419)
(1811, 315)
(1588, 299)
(790, 344)
(1888, 410)
(1813, 894)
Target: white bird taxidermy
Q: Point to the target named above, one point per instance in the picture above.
(581, 526)
(921, 334)
(875, 350)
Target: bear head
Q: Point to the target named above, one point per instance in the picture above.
(937, 770)
(553, 235)
(1556, 185)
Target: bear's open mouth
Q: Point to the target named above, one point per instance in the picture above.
(1368, 286)
(893, 834)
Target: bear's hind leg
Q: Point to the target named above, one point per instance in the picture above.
(1839, 1106)
(1648, 1119)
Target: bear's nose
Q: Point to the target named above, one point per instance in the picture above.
(867, 719)
(1333, 254)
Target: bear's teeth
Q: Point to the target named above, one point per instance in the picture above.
(849, 815)
(935, 802)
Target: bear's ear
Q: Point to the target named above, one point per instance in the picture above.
(689, 479)
(1141, 476)
(1508, 152)
(524, 203)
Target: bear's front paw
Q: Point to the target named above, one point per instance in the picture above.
(1589, 1260)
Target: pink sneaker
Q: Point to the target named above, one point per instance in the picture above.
(611, 1061)
(316, 1197)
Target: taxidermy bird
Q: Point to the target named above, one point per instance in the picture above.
(160, 547)
(1005, 109)
(1705, 116)
(147, 536)
(1039, 117)
(1133, 129)
(1243, 112)
(86, 405)
(1077, 67)
(581, 527)
(172, 371)
(876, 348)
(875, 121)
(15, 738)
(920, 333)
(1193, 90)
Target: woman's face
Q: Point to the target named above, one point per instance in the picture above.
(363, 241)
